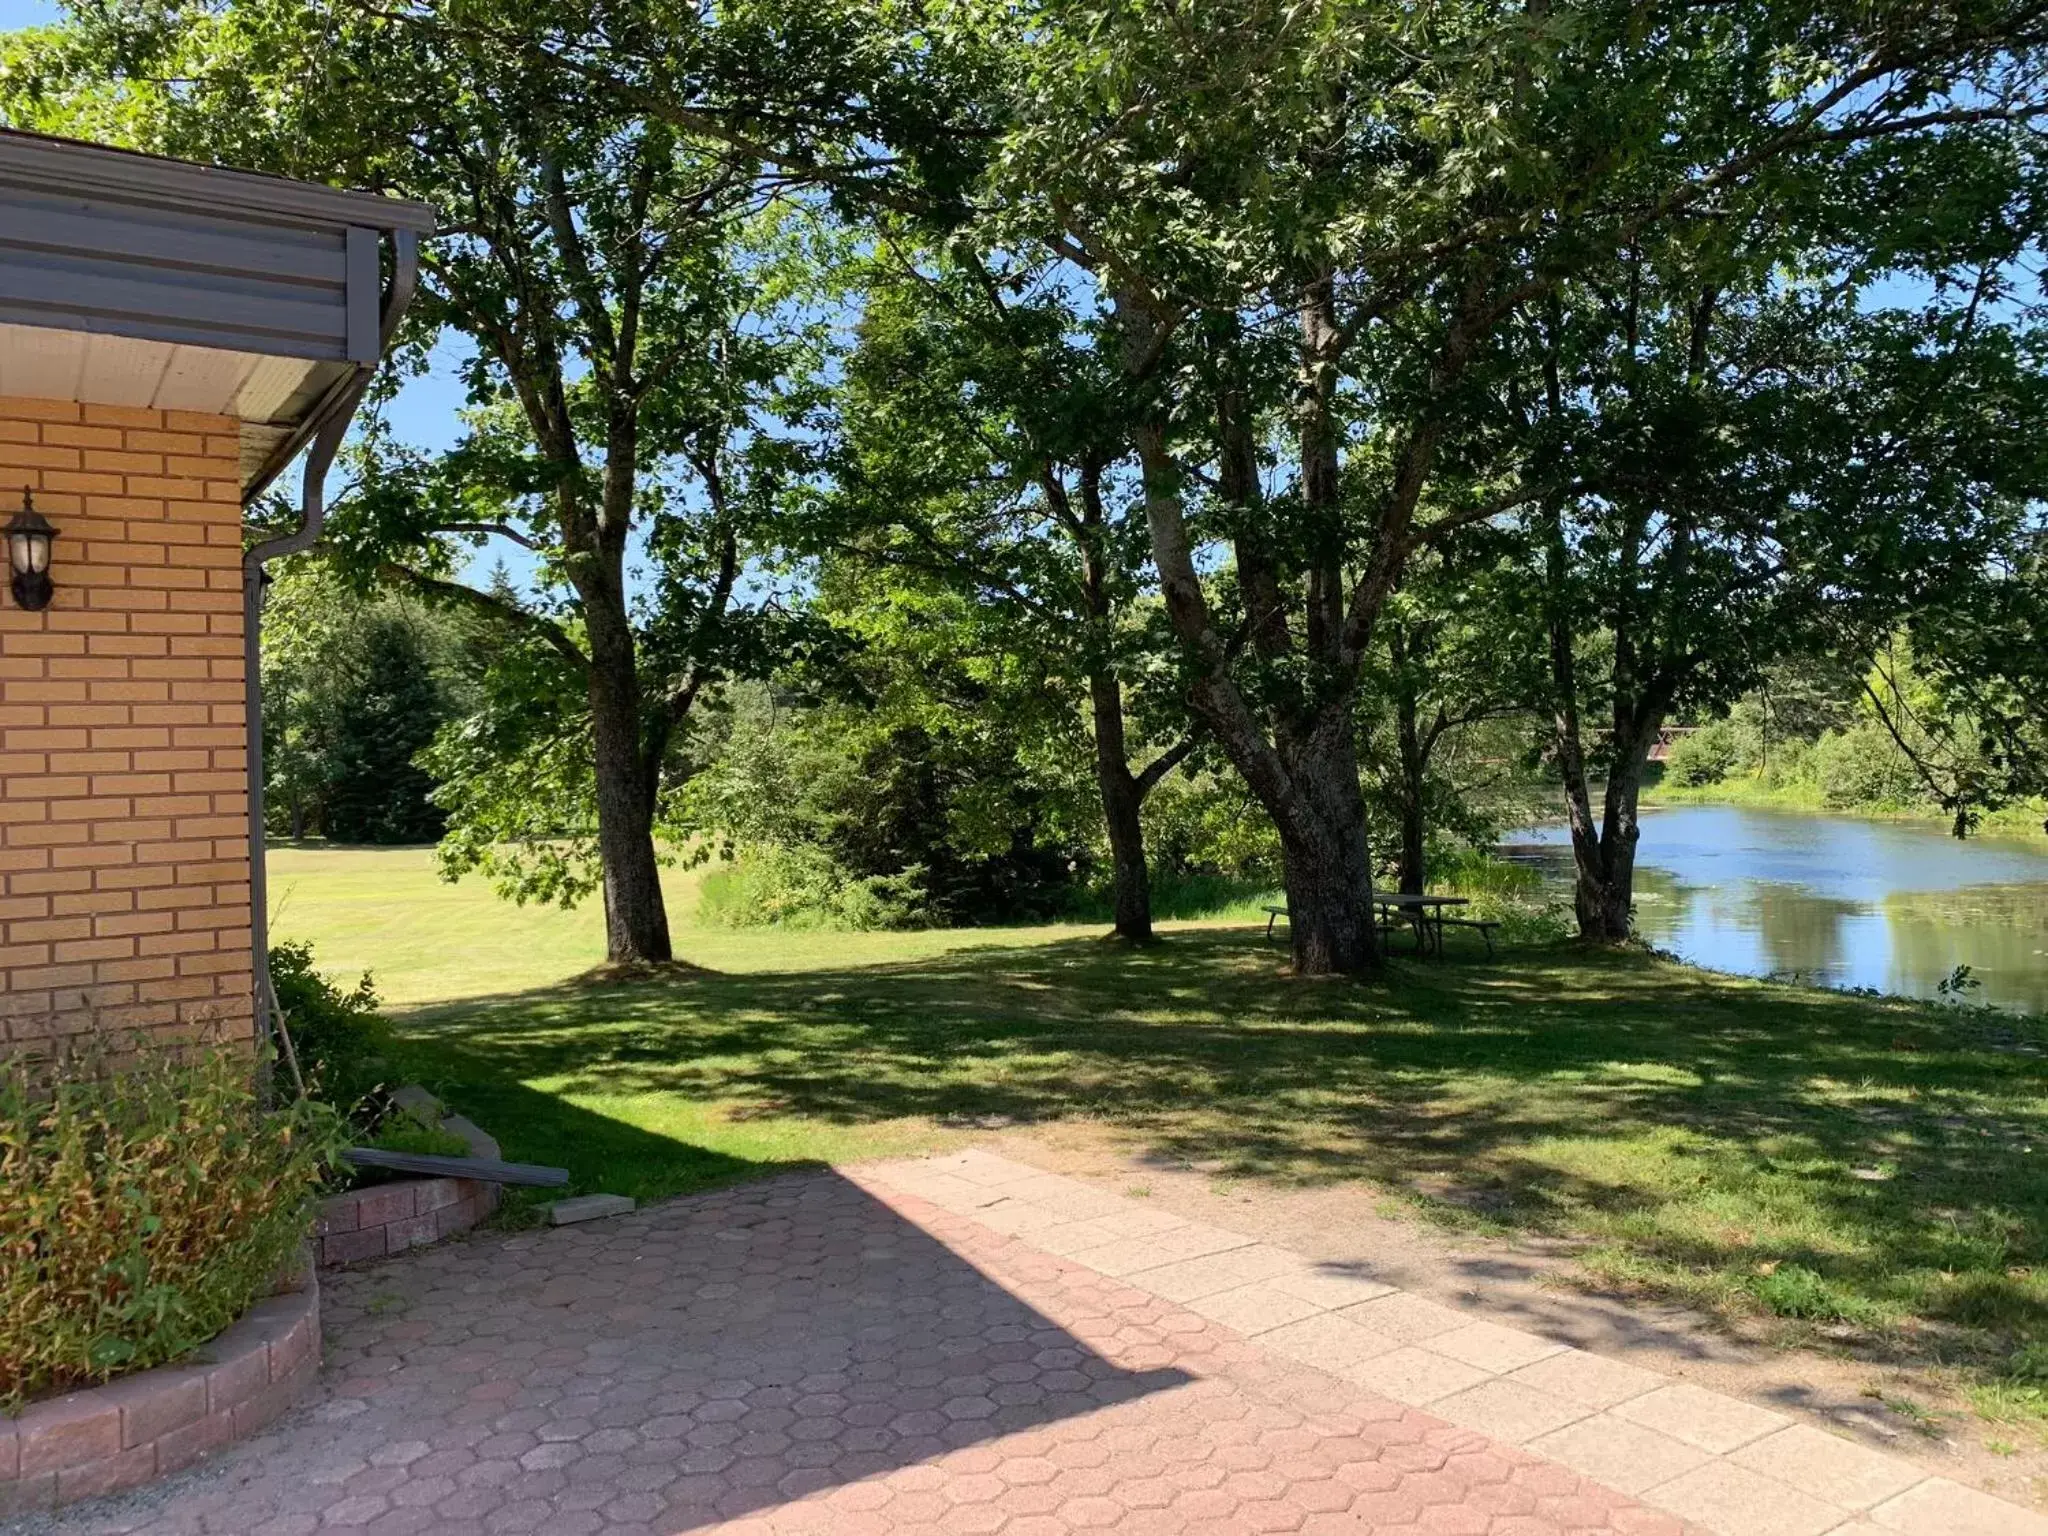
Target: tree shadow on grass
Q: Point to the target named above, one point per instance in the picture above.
(1705, 1123)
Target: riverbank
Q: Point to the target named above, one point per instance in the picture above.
(2025, 820)
(1860, 903)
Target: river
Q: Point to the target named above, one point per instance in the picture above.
(1837, 901)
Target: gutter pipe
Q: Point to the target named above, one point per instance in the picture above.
(327, 426)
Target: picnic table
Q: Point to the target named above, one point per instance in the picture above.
(1424, 914)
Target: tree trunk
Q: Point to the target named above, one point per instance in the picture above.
(1414, 764)
(635, 916)
(1305, 773)
(1122, 801)
(1414, 870)
(1329, 873)
(1325, 864)
(1605, 915)
(1590, 893)
(1603, 856)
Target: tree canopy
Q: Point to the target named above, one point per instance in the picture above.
(1267, 392)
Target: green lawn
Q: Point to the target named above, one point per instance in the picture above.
(1844, 1163)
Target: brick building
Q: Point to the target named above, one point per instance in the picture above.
(172, 339)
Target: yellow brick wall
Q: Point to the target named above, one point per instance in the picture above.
(124, 851)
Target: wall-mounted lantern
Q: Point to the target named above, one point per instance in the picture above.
(28, 555)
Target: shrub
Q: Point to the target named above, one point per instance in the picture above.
(145, 1202)
(1518, 897)
(342, 1042)
(1705, 757)
(1863, 766)
(1790, 762)
(802, 886)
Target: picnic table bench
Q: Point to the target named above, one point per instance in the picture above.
(1425, 914)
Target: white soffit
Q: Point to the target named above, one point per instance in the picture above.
(268, 386)
(267, 394)
(198, 378)
(40, 364)
(45, 363)
(123, 370)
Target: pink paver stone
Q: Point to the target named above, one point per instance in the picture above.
(821, 1353)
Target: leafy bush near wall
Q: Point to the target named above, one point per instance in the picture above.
(343, 1043)
(146, 1200)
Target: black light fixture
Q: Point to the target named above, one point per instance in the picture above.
(28, 554)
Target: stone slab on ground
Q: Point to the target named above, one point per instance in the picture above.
(588, 1208)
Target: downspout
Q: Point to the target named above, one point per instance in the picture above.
(338, 410)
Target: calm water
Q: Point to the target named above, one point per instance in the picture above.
(1835, 900)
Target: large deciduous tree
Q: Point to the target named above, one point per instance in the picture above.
(610, 283)
(982, 449)
(1395, 190)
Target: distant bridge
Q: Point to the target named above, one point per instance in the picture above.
(1667, 738)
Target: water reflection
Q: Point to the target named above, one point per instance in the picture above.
(1835, 900)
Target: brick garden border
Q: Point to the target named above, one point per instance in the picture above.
(390, 1218)
(145, 1426)
(383, 1219)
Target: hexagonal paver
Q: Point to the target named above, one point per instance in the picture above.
(857, 1355)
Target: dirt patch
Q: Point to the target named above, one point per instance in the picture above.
(1910, 1411)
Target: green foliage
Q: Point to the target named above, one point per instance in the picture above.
(1863, 767)
(937, 801)
(354, 688)
(1444, 710)
(1705, 757)
(145, 1202)
(342, 1042)
(2029, 1363)
(406, 1133)
(518, 781)
(1891, 735)
(1793, 1290)
(1206, 825)
(801, 885)
(1516, 896)
(1985, 710)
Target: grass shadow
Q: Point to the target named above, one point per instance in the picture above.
(1706, 1135)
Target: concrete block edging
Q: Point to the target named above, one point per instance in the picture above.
(379, 1220)
(138, 1428)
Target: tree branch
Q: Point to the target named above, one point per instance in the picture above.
(455, 592)
(502, 530)
(1163, 764)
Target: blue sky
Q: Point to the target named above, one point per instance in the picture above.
(424, 412)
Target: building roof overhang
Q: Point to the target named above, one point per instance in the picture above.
(130, 279)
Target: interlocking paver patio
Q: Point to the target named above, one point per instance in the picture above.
(887, 1350)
